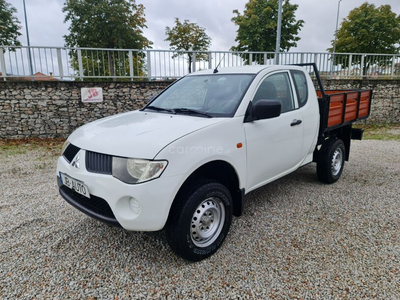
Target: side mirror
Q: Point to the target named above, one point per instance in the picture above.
(266, 109)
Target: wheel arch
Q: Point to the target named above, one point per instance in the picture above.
(342, 133)
(222, 172)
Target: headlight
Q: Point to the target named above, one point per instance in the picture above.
(132, 170)
(65, 145)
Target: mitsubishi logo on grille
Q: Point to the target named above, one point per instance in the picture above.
(75, 162)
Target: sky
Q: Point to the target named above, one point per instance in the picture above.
(47, 27)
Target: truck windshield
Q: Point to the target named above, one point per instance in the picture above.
(216, 95)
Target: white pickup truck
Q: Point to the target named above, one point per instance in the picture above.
(185, 162)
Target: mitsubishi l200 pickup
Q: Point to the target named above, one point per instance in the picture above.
(185, 162)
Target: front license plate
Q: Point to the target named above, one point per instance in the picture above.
(76, 185)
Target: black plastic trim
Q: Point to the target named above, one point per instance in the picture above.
(70, 152)
(357, 134)
(98, 163)
(75, 200)
(239, 208)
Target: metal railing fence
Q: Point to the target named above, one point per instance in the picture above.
(62, 63)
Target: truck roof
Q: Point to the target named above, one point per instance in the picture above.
(254, 69)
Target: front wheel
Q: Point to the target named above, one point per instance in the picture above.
(200, 221)
(331, 160)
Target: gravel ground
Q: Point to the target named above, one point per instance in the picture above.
(298, 239)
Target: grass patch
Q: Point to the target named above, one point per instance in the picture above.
(11, 147)
(381, 132)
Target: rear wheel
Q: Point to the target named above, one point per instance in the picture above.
(200, 221)
(331, 160)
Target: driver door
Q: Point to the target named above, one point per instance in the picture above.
(274, 145)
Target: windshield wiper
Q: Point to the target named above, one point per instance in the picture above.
(159, 109)
(192, 111)
(179, 110)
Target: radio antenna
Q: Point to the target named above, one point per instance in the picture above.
(216, 68)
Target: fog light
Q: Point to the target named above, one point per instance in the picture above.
(135, 206)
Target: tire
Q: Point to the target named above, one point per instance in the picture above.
(200, 220)
(331, 161)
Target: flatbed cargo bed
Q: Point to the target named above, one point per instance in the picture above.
(344, 106)
(340, 108)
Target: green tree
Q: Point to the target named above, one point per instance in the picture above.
(188, 36)
(258, 26)
(368, 29)
(9, 25)
(106, 24)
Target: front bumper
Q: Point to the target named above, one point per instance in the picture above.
(110, 197)
(95, 207)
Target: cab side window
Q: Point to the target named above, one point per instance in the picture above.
(300, 83)
(276, 87)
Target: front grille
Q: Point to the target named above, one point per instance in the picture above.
(98, 163)
(94, 207)
(70, 152)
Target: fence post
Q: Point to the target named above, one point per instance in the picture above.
(148, 64)
(80, 63)
(130, 64)
(3, 64)
(393, 66)
(362, 66)
(194, 62)
(350, 63)
(316, 59)
(209, 60)
(60, 65)
(302, 58)
(277, 60)
(250, 59)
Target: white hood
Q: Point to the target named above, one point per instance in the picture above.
(136, 134)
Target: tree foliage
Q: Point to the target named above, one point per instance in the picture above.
(369, 29)
(188, 36)
(9, 25)
(105, 24)
(258, 26)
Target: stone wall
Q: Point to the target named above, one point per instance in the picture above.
(55, 109)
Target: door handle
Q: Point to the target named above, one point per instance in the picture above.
(295, 122)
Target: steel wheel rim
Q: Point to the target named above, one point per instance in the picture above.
(207, 222)
(337, 161)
